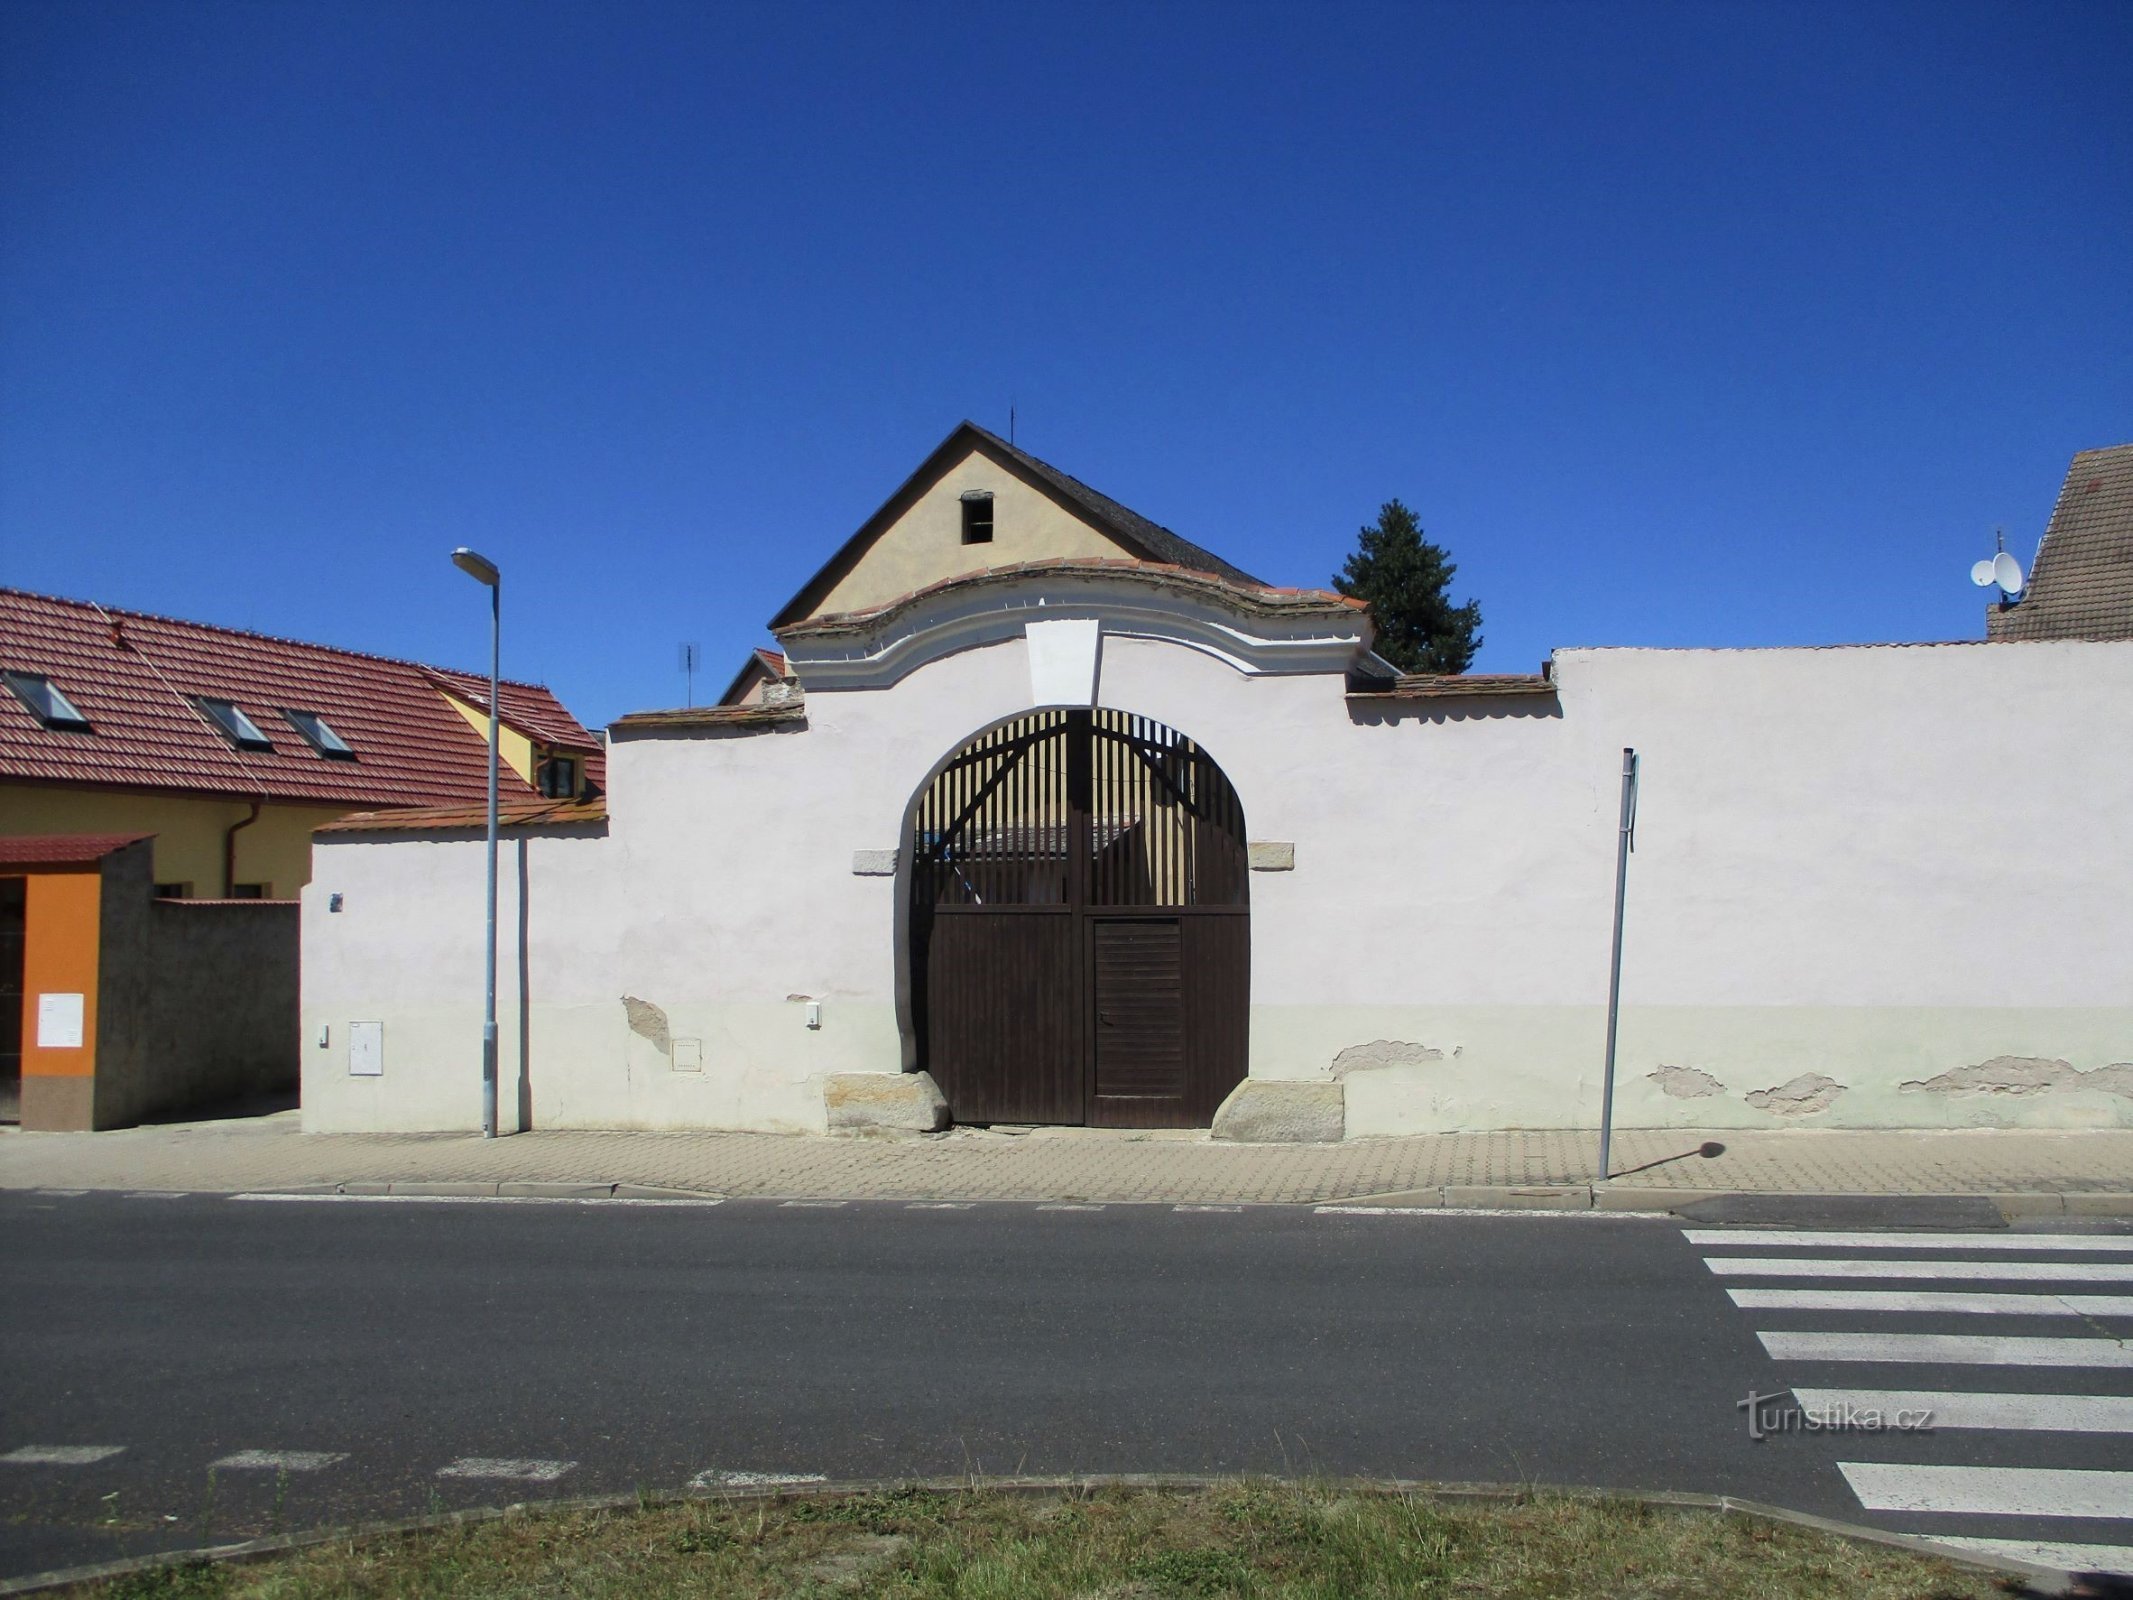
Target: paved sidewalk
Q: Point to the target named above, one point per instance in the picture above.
(2044, 1173)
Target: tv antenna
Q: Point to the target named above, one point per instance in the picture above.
(1999, 571)
(689, 656)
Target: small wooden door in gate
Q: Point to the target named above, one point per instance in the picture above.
(1080, 935)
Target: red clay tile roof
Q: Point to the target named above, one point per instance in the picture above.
(537, 714)
(64, 850)
(133, 676)
(2082, 587)
(517, 813)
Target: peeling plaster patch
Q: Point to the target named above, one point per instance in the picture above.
(1384, 1053)
(1803, 1096)
(648, 1021)
(1685, 1083)
(2023, 1075)
(2117, 1078)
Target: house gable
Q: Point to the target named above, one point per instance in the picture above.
(1038, 514)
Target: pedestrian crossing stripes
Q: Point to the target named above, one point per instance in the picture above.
(2035, 1413)
(1990, 1491)
(1958, 1302)
(61, 1455)
(1841, 1267)
(2041, 1501)
(517, 1469)
(1961, 1349)
(279, 1460)
(2093, 1243)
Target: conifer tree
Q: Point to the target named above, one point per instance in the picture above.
(1407, 581)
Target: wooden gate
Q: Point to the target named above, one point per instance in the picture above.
(1080, 934)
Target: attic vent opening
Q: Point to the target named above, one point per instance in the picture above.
(977, 516)
(318, 733)
(235, 726)
(45, 701)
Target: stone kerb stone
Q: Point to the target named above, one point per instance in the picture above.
(1267, 1111)
(884, 1102)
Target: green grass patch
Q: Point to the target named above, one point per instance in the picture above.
(1254, 1541)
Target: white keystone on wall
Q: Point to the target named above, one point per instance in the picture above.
(1062, 661)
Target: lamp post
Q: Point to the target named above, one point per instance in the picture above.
(483, 571)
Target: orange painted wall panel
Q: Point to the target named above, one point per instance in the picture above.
(64, 920)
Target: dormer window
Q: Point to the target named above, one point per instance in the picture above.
(235, 726)
(559, 778)
(318, 733)
(45, 701)
(977, 516)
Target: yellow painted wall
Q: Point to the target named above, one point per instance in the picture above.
(515, 747)
(925, 544)
(275, 850)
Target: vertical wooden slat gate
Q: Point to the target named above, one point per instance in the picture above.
(1080, 933)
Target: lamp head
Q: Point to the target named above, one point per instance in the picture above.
(477, 566)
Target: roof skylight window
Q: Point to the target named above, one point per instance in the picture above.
(319, 734)
(236, 727)
(47, 704)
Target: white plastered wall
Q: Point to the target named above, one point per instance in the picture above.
(1871, 866)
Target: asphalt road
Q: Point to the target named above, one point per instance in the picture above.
(606, 1346)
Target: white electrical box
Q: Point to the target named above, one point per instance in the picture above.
(59, 1021)
(366, 1049)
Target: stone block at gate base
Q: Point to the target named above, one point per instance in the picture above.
(1268, 1111)
(868, 1102)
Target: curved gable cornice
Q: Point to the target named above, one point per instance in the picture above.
(1254, 630)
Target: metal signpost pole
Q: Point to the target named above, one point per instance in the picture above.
(1625, 842)
(485, 571)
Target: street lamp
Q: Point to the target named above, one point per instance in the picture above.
(482, 570)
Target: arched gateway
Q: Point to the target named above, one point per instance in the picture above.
(1080, 934)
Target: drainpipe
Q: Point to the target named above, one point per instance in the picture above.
(229, 852)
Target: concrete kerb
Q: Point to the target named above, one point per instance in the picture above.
(2037, 1580)
(1611, 1197)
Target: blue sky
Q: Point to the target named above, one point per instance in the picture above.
(1679, 324)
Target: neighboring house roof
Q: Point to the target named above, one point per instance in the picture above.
(531, 711)
(134, 678)
(64, 849)
(762, 666)
(2081, 586)
(1150, 541)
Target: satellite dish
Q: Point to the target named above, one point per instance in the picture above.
(1981, 573)
(2007, 572)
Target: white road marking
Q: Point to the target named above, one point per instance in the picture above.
(1809, 1239)
(1957, 1301)
(472, 1200)
(2011, 1271)
(518, 1469)
(157, 1194)
(814, 1205)
(2026, 1413)
(1207, 1208)
(2116, 1559)
(940, 1205)
(61, 1455)
(1062, 1205)
(1990, 1491)
(718, 1478)
(62, 1194)
(1962, 1349)
(279, 1460)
